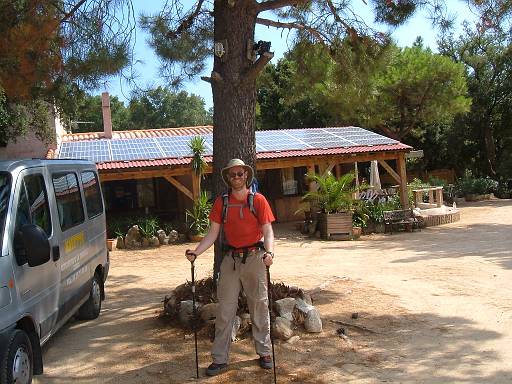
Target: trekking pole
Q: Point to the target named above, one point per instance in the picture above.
(194, 310)
(269, 289)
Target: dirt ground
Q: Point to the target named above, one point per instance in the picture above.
(438, 304)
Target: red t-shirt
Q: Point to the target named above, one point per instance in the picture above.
(242, 228)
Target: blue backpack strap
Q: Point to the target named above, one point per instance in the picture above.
(250, 203)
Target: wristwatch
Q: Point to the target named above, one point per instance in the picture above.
(269, 253)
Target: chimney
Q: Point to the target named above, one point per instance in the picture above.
(107, 117)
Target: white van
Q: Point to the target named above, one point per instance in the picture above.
(54, 260)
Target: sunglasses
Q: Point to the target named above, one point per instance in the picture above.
(236, 174)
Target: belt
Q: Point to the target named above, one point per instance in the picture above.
(240, 252)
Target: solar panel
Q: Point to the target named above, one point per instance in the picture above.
(178, 146)
(135, 149)
(94, 150)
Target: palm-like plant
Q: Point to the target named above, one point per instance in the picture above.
(198, 147)
(332, 194)
(197, 218)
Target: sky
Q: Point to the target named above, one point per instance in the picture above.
(148, 63)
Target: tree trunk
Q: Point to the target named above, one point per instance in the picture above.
(234, 93)
(490, 147)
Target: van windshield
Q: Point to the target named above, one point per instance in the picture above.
(5, 192)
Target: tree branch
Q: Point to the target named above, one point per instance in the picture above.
(338, 18)
(72, 11)
(185, 24)
(258, 65)
(276, 4)
(215, 77)
(278, 24)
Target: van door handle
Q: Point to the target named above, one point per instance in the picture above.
(55, 252)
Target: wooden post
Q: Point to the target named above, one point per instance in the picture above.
(311, 171)
(403, 181)
(356, 172)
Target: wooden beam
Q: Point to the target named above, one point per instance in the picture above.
(147, 173)
(404, 199)
(180, 186)
(329, 167)
(342, 159)
(390, 170)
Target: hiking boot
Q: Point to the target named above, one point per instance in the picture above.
(214, 369)
(266, 362)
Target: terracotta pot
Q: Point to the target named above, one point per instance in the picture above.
(111, 244)
(195, 238)
(356, 232)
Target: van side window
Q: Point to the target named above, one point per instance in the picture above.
(93, 201)
(33, 205)
(69, 200)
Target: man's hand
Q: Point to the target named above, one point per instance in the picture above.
(268, 258)
(191, 255)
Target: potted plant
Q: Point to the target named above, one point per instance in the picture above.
(197, 218)
(333, 201)
(359, 219)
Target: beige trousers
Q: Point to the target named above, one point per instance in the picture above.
(252, 276)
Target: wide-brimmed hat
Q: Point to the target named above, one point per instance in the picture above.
(237, 163)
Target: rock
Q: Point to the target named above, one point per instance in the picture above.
(308, 315)
(173, 236)
(307, 298)
(133, 237)
(313, 322)
(120, 242)
(161, 236)
(236, 327)
(282, 328)
(186, 313)
(170, 304)
(293, 339)
(209, 311)
(154, 242)
(284, 307)
(145, 242)
(301, 310)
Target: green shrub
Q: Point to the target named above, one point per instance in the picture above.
(198, 217)
(148, 226)
(475, 186)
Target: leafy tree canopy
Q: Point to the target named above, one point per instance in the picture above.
(162, 108)
(486, 54)
(50, 51)
(399, 92)
(153, 108)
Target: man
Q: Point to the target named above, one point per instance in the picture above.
(243, 265)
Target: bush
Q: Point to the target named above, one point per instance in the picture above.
(118, 226)
(148, 226)
(469, 185)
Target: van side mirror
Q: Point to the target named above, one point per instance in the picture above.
(36, 245)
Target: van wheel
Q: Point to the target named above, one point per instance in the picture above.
(91, 308)
(16, 365)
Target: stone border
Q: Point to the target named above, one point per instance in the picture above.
(430, 221)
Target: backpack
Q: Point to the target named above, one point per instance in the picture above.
(226, 205)
(223, 246)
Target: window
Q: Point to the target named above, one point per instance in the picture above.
(5, 192)
(69, 201)
(92, 193)
(33, 205)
